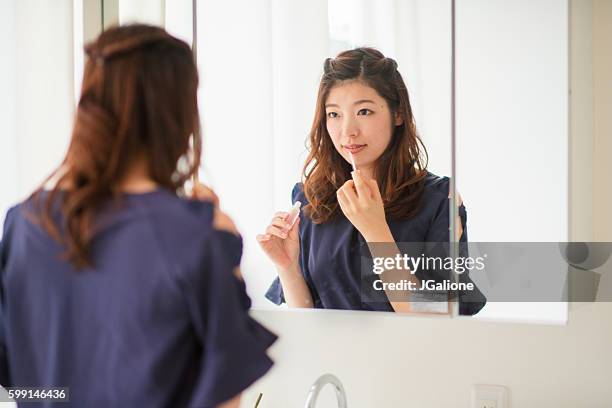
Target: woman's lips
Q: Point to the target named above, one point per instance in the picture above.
(354, 148)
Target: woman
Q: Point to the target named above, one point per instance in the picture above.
(363, 111)
(112, 284)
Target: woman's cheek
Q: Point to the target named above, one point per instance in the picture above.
(331, 129)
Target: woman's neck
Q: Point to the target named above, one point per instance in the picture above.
(137, 179)
(138, 185)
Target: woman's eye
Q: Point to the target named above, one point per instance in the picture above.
(364, 111)
(332, 115)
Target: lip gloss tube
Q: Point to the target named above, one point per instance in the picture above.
(353, 161)
(294, 213)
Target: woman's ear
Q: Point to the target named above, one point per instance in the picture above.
(398, 118)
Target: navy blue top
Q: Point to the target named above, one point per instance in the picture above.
(159, 321)
(330, 254)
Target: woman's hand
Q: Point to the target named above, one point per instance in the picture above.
(362, 204)
(281, 242)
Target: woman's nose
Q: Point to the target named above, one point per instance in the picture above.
(349, 128)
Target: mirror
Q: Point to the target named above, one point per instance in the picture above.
(262, 93)
(260, 72)
(512, 133)
(525, 156)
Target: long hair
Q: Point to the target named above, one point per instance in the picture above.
(400, 170)
(138, 99)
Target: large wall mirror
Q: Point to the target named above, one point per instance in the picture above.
(508, 147)
(271, 59)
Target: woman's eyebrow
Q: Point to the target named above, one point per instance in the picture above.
(359, 102)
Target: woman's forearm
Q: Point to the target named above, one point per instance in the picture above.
(382, 245)
(295, 288)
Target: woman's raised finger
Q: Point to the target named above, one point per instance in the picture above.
(276, 231)
(280, 223)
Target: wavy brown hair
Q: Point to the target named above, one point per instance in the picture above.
(401, 169)
(138, 99)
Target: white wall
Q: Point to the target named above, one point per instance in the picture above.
(8, 108)
(36, 102)
(392, 361)
(45, 89)
(37, 92)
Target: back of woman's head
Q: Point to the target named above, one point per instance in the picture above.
(138, 100)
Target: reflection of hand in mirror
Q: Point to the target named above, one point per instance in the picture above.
(281, 241)
(362, 204)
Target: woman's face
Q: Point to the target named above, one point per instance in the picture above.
(359, 121)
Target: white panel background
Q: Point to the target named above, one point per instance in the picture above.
(512, 128)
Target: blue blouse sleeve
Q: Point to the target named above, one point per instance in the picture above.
(4, 247)
(234, 344)
(469, 303)
(275, 292)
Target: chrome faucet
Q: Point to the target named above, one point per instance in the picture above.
(316, 387)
